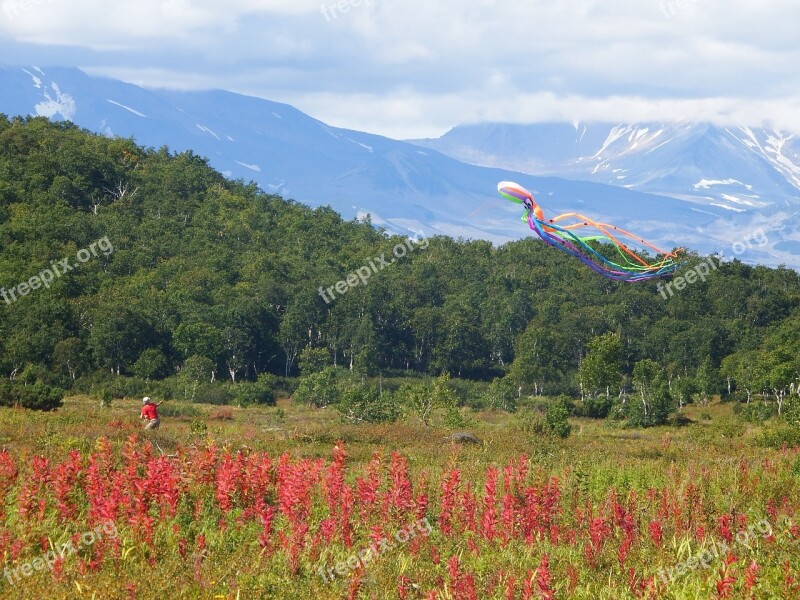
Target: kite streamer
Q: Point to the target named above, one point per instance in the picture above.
(631, 266)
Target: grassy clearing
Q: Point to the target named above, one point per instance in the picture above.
(627, 503)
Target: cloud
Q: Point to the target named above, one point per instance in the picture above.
(410, 115)
(420, 66)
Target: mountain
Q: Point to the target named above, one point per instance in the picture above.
(404, 187)
(739, 169)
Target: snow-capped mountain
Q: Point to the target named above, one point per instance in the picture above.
(407, 188)
(735, 168)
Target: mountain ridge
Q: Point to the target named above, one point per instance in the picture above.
(406, 188)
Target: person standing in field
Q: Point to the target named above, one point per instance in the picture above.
(150, 412)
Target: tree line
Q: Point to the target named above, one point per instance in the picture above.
(220, 280)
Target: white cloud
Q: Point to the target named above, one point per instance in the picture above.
(409, 115)
(417, 67)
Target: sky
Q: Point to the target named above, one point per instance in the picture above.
(416, 68)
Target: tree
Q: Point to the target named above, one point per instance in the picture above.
(501, 395)
(198, 339)
(425, 398)
(313, 360)
(69, 356)
(237, 343)
(653, 391)
(601, 369)
(152, 364)
(198, 369)
(118, 337)
(707, 380)
(742, 367)
(684, 389)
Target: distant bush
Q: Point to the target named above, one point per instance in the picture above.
(779, 437)
(262, 391)
(428, 398)
(593, 408)
(178, 409)
(224, 413)
(119, 387)
(556, 419)
(550, 420)
(365, 404)
(755, 412)
(214, 393)
(319, 389)
(501, 394)
(477, 395)
(37, 396)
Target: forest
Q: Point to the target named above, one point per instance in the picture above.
(126, 267)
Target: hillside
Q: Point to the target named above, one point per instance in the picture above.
(205, 267)
(406, 189)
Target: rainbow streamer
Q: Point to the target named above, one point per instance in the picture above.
(631, 266)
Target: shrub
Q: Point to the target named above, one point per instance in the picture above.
(501, 394)
(214, 393)
(755, 412)
(659, 407)
(178, 409)
(224, 413)
(549, 421)
(598, 407)
(364, 404)
(259, 392)
(779, 437)
(426, 397)
(556, 419)
(34, 397)
(319, 389)
(791, 412)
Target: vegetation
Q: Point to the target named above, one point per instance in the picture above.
(212, 281)
(263, 502)
(297, 433)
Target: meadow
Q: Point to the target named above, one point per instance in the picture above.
(289, 502)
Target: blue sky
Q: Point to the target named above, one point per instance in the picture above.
(415, 68)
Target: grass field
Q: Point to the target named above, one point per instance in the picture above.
(287, 502)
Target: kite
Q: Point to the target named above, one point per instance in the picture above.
(631, 266)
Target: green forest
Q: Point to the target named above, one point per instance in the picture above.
(166, 276)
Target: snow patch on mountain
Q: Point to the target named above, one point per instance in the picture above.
(206, 130)
(62, 104)
(37, 82)
(128, 108)
(255, 168)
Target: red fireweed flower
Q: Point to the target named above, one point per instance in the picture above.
(544, 579)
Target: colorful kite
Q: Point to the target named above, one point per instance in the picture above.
(632, 266)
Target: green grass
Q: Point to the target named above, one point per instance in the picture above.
(715, 459)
